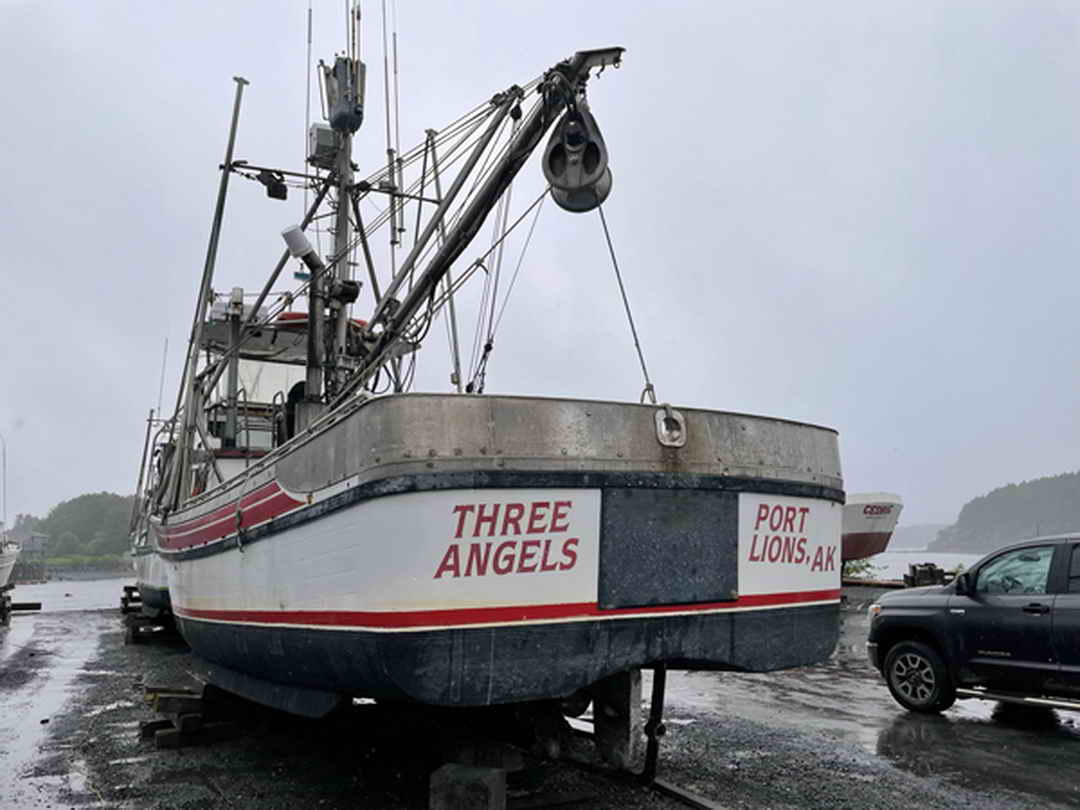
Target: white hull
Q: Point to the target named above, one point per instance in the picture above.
(152, 581)
(464, 551)
(418, 561)
(8, 554)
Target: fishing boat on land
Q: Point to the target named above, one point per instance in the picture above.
(9, 553)
(869, 521)
(328, 532)
(148, 566)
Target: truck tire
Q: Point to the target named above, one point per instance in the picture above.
(918, 678)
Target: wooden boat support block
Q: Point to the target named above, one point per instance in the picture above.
(150, 691)
(209, 733)
(187, 723)
(467, 787)
(617, 718)
(486, 754)
(149, 728)
(177, 703)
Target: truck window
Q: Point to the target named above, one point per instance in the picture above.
(1024, 570)
(1074, 571)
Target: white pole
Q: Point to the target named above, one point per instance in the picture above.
(3, 468)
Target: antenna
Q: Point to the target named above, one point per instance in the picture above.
(161, 384)
(390, 163)
(397, 122)
(307, 101)
(355, 50)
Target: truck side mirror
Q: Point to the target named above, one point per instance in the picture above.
(963, 584)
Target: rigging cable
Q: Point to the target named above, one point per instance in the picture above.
(521, 258)
(477, 383)
(648, 391)
(478, 262)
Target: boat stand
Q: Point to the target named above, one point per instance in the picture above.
(654, 730)
(131, 601)
(625, 715)
(189, 717)
(7, 607)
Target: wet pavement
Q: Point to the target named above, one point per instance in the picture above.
(1014, 756)
(823, 736)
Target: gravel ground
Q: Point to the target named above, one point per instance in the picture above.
(74, 671)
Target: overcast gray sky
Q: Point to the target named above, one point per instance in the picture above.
(859, 215)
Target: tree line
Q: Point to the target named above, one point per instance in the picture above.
(1015, 512)
(90, 525)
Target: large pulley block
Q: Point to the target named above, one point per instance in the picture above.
(576, 161)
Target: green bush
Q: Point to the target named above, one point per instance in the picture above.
(859, 569)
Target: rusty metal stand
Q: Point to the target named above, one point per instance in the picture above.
(654, 727)
(654, 730)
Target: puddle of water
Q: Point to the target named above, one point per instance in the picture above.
(975, 744)
(14, 637)
(64, 648)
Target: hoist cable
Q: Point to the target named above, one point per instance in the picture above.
(648, 390)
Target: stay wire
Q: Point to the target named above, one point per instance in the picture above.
(478, 263)
(477, 382)
(648, 390)
(517, 270)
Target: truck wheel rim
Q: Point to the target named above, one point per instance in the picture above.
(914, 677)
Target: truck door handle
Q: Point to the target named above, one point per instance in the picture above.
(1035, 607)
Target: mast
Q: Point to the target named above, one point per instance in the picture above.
(326, 337)
(138, 504)
(342, 266)
(181, 474)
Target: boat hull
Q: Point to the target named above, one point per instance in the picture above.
(503, 572)
(152, 582)
(9, 553)
(869, 522)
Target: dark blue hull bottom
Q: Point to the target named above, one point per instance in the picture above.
(306, 670)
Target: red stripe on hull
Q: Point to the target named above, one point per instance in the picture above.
(224, 511)
(465, 616)
(222, 522)
(859, 545)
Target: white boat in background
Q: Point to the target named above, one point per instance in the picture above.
(9, 552)
(150, 578)
(869, 521)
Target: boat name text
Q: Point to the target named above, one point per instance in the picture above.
(509, 556)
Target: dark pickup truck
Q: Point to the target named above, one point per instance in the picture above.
(1008, 629)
